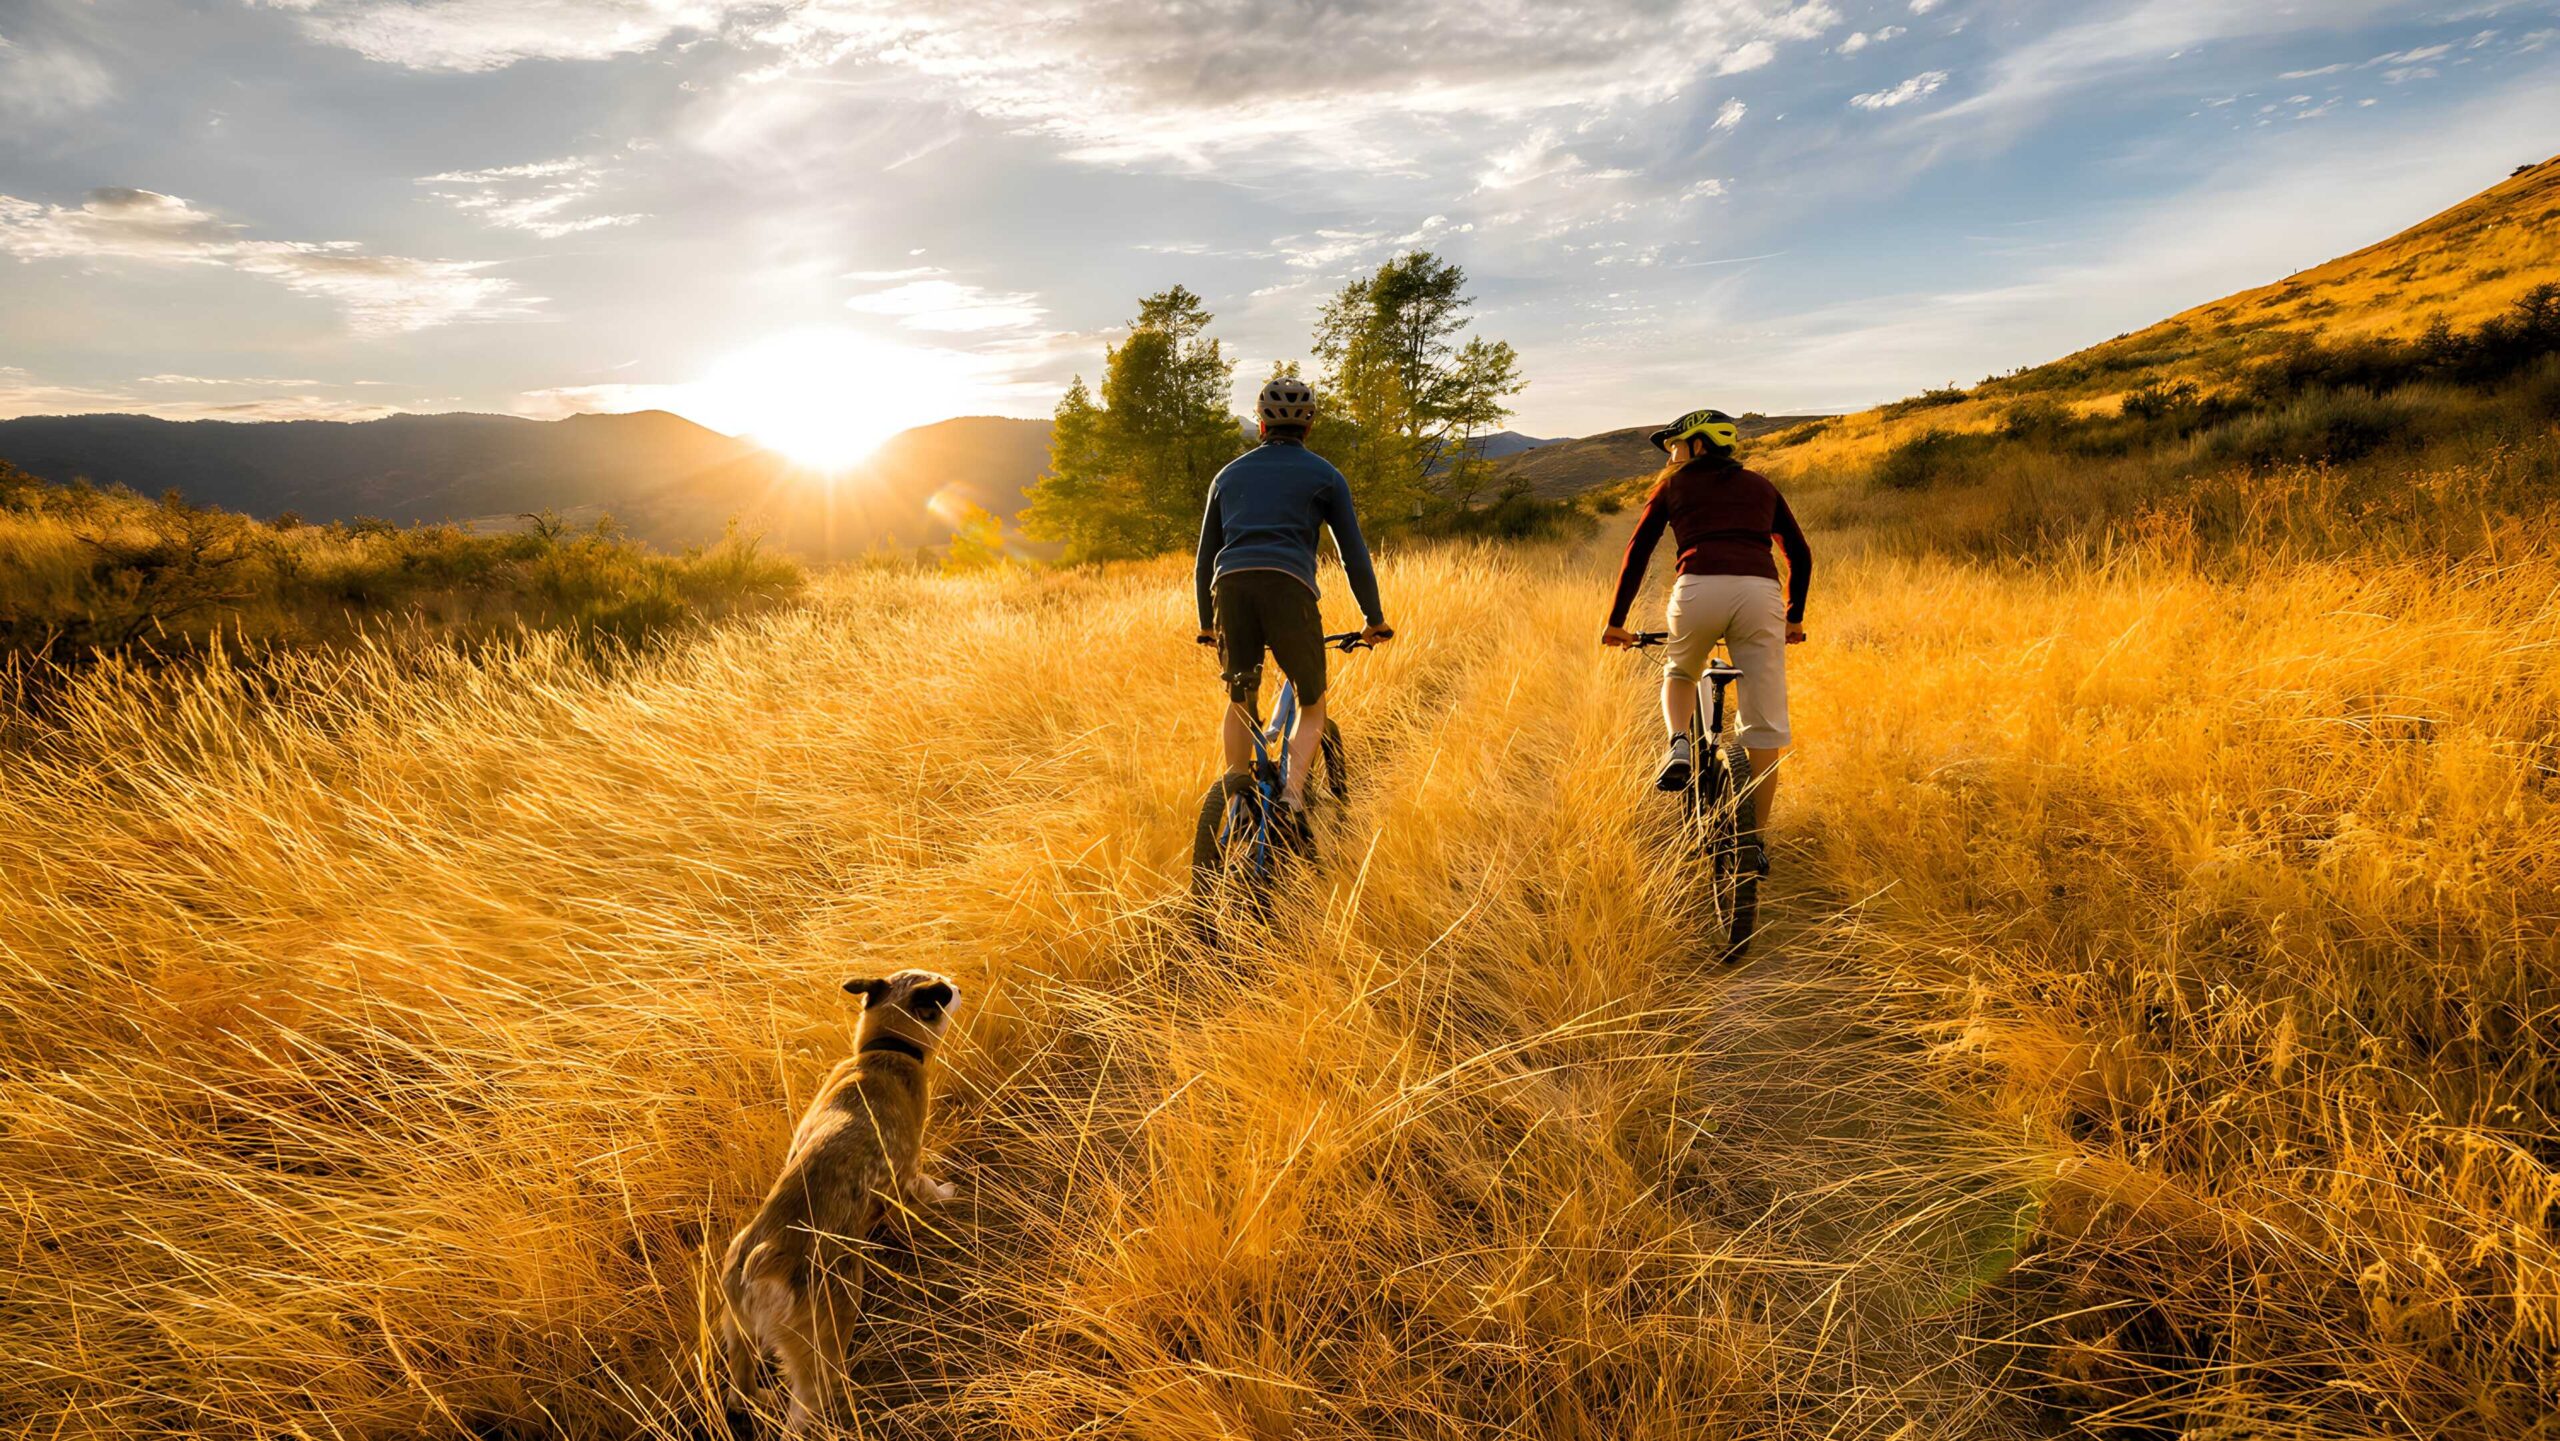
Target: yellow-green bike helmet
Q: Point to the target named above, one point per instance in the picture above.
(1718, 428)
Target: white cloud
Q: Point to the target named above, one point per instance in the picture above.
(2314, 74)
(43, 84)
(1923, 7)
(493, 34)
(2410, 57)
(1918, 86)
(1115, 81)
(540, 198)
(380, 294)
(1856, 42)
(1730, 115)
(1750, 55)
(22, 393)
(951, 307)
(218, 380)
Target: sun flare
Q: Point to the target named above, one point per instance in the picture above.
(825, 398)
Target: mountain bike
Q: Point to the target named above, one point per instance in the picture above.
(1244, 836)
(1716, 806)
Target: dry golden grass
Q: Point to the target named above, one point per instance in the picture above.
(2156, 1023)
(392, 1036)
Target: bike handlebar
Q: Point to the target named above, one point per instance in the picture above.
(1347, 642)
(1717, 663)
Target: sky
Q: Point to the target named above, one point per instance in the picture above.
(819, 221)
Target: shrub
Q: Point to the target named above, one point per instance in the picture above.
(1932, 459)
(2163, 400)
(1927, 400)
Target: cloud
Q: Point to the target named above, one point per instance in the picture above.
(951, 307)
(493, 34)
(1923, 7)
(1730, 115)
(218, 380)
(2136, 36)
(22, 393)
(379, 294)
(1750, 55)
(1920, 85)
(43, 84)
(538, 198)
(1115, 82)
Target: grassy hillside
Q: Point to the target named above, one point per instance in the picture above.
(2370, 312)
(1563, 469)
(87, 572)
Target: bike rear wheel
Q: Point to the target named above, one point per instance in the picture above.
(1738, 859)
(1337, 762)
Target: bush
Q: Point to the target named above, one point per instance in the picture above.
(2163, 400)
(1932, 459)
(1927, 400)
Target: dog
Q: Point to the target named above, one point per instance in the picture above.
(792, 1277)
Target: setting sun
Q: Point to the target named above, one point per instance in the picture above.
(825, 398)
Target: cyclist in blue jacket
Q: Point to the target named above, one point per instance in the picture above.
(1256, 577)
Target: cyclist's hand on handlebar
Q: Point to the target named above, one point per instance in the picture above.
(1795, 633)
(1617, 636)
(1378, 634)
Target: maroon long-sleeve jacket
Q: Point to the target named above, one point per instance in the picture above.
(1722, 516)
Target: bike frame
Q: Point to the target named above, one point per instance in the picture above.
(1271, 748)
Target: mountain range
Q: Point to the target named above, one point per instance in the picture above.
(662, 477)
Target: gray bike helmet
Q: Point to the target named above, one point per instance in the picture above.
(1287, 400)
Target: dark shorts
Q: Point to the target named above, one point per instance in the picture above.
(1260, 610)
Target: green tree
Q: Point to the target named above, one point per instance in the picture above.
(1410, 395)
(1129, 473)
(978, 543)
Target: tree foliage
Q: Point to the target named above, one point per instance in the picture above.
(1130, 470)
(1406, 391)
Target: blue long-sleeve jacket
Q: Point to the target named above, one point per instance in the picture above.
(1265, 510)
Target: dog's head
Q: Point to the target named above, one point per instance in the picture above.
(913, 1005)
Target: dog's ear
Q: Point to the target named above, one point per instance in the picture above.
(931, 1001)
(869, 990)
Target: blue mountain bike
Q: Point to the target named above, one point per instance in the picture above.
(1716, 807)
(1244, 836)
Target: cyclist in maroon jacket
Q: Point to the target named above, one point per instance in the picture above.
(1723, 518)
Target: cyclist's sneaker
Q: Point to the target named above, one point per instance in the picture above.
(1675, 767)
(1295, 825)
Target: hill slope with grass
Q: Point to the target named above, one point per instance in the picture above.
(1563, 469)
(2154, 1034)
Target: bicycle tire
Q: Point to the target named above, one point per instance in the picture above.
(1739, 860)
(1220, 875)
(1337, 762)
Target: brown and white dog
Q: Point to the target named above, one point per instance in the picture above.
(793, 1274)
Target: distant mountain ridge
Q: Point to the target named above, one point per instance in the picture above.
(1562, 469)
(666, 479)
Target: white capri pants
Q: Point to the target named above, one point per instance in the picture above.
(1749, 614)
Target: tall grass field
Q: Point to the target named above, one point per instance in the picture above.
(2153, 1031)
